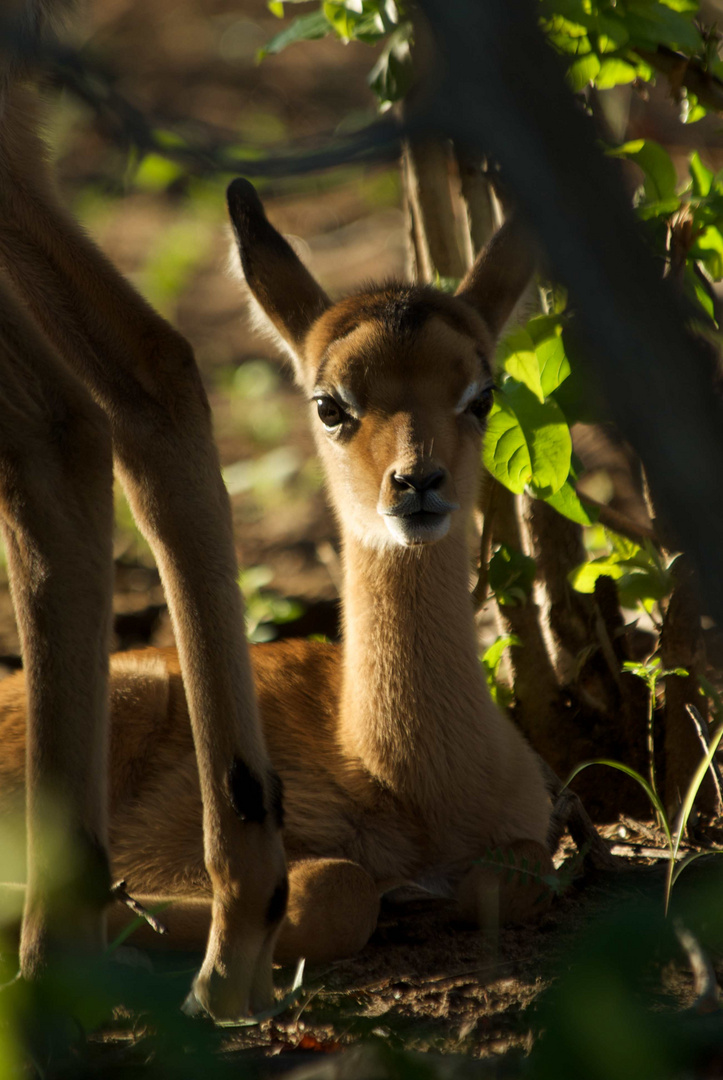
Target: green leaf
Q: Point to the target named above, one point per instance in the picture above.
(657, 24)
(511, 575)
(611, 31)
(691, 109)
(391, 76)
(492, 657)
(583, 71)
(519, 359)
(561, 26)
(580, 400)
(614, 72)
(682, 5)
(156, 173)
(709, 249)
(623, 546)
(702, 178)
(568, 503)
(341, 18)
(357, 20)
(697, 291)
(527, 441)
(303, 28)
(639, 579)
(659, 171)
(652, 795)
(583, 578)
(546, 334)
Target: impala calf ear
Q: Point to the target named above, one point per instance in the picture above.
(500, 274)
(287, 294)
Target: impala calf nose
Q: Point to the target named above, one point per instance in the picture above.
(415, 482)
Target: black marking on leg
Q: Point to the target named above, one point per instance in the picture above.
(276, 798)
(247, 793)
(277, 904)
(93, 882)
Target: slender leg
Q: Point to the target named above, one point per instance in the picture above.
(57, 514)
(144, 376)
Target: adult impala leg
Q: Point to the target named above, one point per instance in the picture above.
(144, 376)
(57, 513)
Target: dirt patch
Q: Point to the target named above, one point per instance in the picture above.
(428, 984)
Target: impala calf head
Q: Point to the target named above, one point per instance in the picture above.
(398, 377)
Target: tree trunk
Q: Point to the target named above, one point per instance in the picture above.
(427, 164)
(681, 645)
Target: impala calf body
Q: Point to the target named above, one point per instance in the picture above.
(396, 765)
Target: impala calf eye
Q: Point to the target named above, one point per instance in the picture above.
(330, 412)
(480, 407)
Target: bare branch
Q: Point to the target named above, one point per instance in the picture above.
(201, 148)
(118, 892)
(427, 169)
(680, 70)
(569, 813)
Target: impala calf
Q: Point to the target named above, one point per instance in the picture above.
(396, 764)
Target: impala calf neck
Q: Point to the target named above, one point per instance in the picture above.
(395, 762)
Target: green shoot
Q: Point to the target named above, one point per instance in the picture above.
(673, 834)
(651, 673)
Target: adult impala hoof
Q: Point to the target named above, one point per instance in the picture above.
(192, 1006)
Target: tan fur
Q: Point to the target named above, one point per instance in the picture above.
(396, 764)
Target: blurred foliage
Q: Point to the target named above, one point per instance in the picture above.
(608, 1016)
(511, 576)
(492, 660)
(640, 572)
(602, 42)
(257, 409)
(265, 609)
(373, 22)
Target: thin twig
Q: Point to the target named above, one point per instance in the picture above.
(479, 593)
(637, 851)
(207, 149)
(638, 826)
(680, 70)
(619, 522)
(118, 892)
(702, 734)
